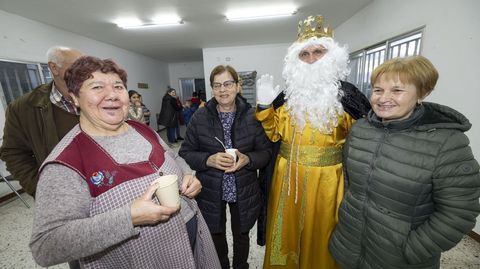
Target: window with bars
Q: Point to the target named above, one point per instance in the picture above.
(18, 78)
(363, 62)
(46, 73)
(190, 85)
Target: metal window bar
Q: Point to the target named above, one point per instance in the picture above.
(354, 70)
(7, 88)
(187, 87)
(373, 57)
(46, 75)
(356, 67)
(366, 60)
(18, 78)
(406, 45)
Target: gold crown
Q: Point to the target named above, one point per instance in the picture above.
(313, 26)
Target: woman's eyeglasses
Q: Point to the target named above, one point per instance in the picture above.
(227, 84)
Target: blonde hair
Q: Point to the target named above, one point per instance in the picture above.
(416, 70)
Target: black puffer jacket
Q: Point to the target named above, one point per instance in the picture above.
(249, 138)
(168, 113)
(413, 192)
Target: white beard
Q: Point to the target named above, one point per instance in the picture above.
(312, 90)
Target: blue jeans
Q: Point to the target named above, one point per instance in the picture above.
(171, 135)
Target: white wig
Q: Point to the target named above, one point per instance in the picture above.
(312, 90)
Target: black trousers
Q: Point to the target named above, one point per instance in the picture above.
(241, 241)
(74, 264)
(192, 230)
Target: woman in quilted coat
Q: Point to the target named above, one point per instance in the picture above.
(413, 183)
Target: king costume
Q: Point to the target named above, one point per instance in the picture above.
(307, 184)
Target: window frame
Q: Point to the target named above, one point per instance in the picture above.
(359, 59)
(37, 70)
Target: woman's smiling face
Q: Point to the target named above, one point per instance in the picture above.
(225, 89)
(392, 99)
(103, 101)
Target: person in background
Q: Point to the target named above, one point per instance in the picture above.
(95, 194)
(146, 112)
(181, 120)
(168, 114)
(227, 120)
(188, 111)
(135, 109)
(307, 185)
(195, 100)
(202, 103)
(37, 121)
(414, 182)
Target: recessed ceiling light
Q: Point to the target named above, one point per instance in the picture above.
(128, 22)
(260, 13)
(167, 20)
(133, 23)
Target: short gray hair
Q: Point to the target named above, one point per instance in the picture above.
(56, 55)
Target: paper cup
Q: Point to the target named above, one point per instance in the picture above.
(233, 153)
(167, 192)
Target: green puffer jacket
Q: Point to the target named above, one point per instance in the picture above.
(413, 190)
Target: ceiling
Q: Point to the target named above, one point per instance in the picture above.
(204, 22)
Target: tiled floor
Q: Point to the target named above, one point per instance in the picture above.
(16, 221)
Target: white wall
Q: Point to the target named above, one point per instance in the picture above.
(26, 40)
(177, 71)
(262, 58)
(451, 41)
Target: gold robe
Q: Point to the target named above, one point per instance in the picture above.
(306, 191)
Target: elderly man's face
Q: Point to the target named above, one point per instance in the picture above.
(312, 53)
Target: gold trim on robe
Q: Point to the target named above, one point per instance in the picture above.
(312, 155)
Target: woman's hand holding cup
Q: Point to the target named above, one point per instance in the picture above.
(144, 211)
(241, 161)
(221, 160)
(167, 191)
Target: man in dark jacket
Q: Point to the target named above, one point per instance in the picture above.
(38, 120)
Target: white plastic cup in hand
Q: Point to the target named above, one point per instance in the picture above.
(233, 153)
(167, 191)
